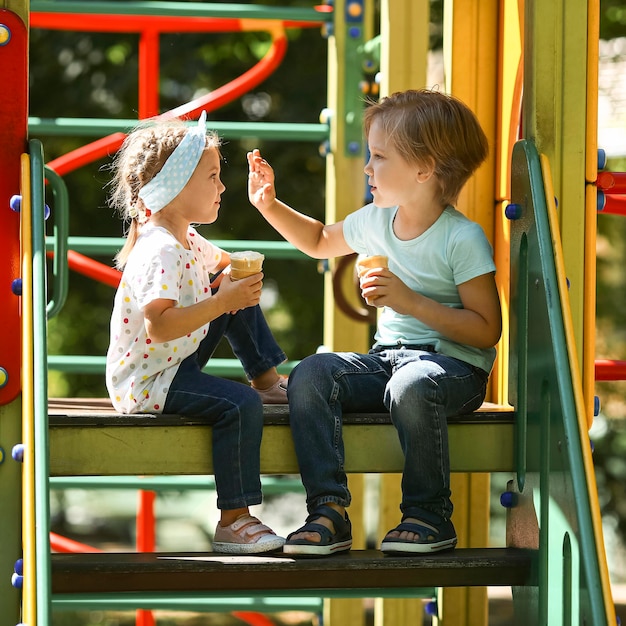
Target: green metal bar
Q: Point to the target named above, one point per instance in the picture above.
(195, 603)
(87, 127)
(42, 500)
(229, 368)
(110, 245)
(271, 484)
(182, 9)
(60, 218)
(183, 601)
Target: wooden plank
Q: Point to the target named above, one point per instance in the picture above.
(357, 569)
(105, 443)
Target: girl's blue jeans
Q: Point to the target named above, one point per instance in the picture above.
(418, 387)
(234, 409)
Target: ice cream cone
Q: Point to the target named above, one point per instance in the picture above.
(244, 264)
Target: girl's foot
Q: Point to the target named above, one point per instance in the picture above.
(246, 535)
(275, 393)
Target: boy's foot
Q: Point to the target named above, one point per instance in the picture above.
(332, 541)
(416, 536)
(276, 394)
(246, 535)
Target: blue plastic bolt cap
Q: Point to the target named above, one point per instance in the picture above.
(19, 567)
(592, 446)
(508, 499)
(324, 148)
(431, 608)
(16, 286)
(600, 200)
(596, 406)
(601, 158)
(513, 211)
(18, 452)
(16, 203)
(354, 147)
(46, 212)
(17, 581)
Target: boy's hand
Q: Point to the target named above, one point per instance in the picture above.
(261, 191)
(380, 287)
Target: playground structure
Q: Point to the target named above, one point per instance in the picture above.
(535, 94)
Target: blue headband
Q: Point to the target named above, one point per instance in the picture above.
(177, 170)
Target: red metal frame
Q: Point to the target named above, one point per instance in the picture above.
(13, 135)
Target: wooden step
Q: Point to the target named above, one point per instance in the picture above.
(250, 575)
(87, 438)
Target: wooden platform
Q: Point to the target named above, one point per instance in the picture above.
(87, 438)
(358, 569)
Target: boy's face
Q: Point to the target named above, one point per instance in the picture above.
(392, 179)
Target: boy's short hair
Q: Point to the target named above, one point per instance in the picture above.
(435, 129)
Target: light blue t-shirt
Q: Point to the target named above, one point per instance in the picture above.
(451, 252)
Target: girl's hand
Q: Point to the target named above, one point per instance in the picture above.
(261, 190)
(240, 294)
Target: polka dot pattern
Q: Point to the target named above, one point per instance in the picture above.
(139, 370)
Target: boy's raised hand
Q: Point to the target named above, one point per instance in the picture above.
(261, 191)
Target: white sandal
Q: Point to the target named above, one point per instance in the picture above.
(246, 535)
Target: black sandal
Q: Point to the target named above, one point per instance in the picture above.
(430, 537)
(329, 543)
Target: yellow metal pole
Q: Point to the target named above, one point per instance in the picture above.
(345, 192)
(471, 61)
(404, 28)
(591, 213)
(29, 595)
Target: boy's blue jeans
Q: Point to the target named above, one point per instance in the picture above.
(419, 388)
(234, 409)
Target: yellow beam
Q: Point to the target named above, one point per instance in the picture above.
(555, 118)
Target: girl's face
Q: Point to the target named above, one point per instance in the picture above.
(392, 179)
(200, 197)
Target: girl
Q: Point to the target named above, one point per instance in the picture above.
(168, 317)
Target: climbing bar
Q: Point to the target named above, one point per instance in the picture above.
(608, 369)
(611, 203)
(110, 245)
(63, 126)
(43, 12)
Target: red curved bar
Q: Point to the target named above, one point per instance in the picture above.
(607, 369)
(14, 122)
(98, 149)
(209, 102)
(62, 544)
(253, 619)
(93, 269)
